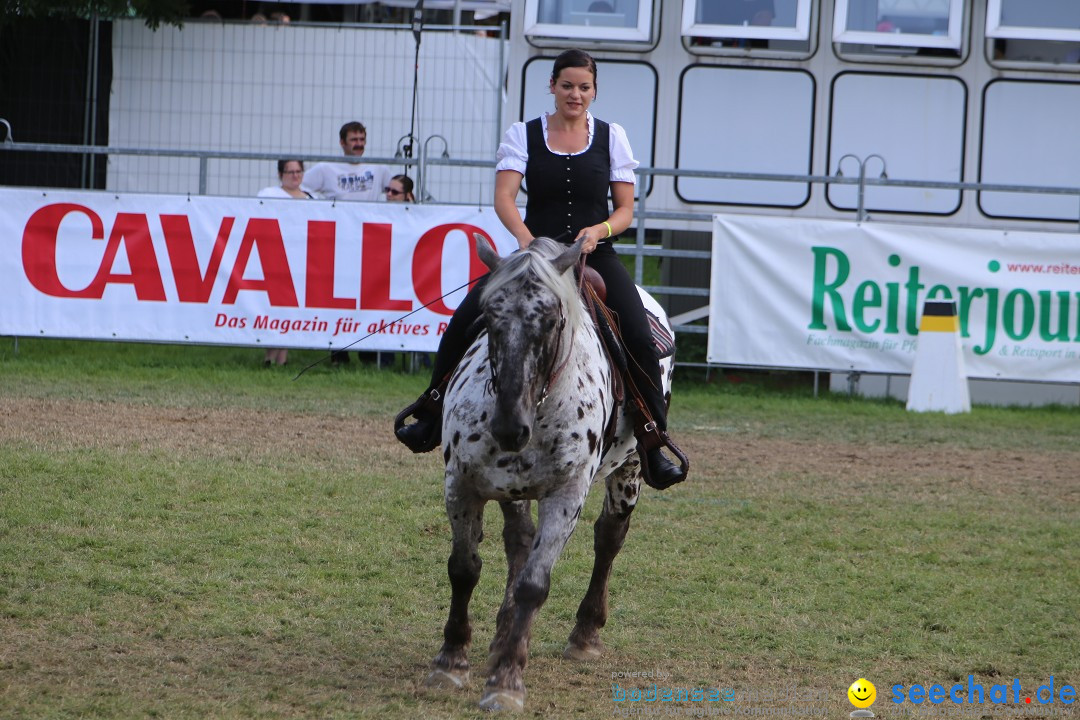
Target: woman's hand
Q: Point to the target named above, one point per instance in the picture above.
(592, 236)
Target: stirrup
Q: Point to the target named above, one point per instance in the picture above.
(650, 437)
(430, 401)
(427, 409)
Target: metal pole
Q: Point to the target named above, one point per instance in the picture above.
(860, 214)
(417, 32)
(499, 82)
(421, 173)
(639, 242)
(86, 105)
(94, 68)
(203, 162)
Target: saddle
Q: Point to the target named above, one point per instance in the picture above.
(593, 290)
(649, 436)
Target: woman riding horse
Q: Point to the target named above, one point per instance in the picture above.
(569, 160)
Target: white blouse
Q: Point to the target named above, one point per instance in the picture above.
(275, 191)
(513, 153)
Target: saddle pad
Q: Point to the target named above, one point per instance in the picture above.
(663, 342)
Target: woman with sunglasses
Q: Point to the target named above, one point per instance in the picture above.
(400, 189)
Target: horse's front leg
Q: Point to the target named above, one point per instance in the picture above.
(609, 532)
(558, 514)
(450, 668)
(518, 532)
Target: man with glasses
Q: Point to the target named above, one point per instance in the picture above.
(352, 179)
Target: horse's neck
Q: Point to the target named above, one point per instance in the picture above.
(575, 341)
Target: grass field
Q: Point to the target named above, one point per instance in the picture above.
(185, 534)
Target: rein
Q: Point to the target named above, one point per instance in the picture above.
(554, 373)
(346, 347)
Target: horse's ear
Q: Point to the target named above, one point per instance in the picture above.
(569, 257)
(487, 253)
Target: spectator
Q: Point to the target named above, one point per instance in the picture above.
(400, 189)
(350, 180)
(290, 173)
(489, 21)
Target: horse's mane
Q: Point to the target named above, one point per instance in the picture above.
(536, 261)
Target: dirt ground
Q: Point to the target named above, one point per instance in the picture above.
(211, 433)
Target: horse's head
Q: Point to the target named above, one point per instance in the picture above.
(529, 300)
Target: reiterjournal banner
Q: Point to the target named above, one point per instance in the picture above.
(235, 271)
(835, 295)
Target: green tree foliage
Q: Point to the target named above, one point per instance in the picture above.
(155, 12)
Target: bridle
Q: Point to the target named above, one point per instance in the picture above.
(555, 369)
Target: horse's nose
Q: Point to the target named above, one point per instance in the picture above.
(511, 436)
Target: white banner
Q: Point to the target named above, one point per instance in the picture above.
(235, 271)
(835, 295)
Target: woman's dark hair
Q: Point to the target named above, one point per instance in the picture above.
(573, 58)
(282, 163)
(406, 183)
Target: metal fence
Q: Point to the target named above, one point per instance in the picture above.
(432, 169)
(237, 96)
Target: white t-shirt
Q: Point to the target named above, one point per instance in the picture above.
(275, 191)
(347, 181)
(513, 153)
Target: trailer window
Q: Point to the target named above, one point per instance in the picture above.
(1034, 31)
(747, 24)
(907, 26)
(612, 20)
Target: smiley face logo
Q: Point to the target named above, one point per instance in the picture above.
(862, 693)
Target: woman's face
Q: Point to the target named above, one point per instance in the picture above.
(292, 175)
(395, 191)
(574, 91)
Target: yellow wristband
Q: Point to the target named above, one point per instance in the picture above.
(608, 226)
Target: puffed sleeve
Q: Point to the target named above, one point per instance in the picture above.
(622, 157)
(513, 153)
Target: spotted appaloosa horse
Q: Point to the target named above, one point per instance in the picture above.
(524, 420)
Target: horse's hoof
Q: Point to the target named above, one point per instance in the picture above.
(582, 654)
(447, 679)
(503, 701)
